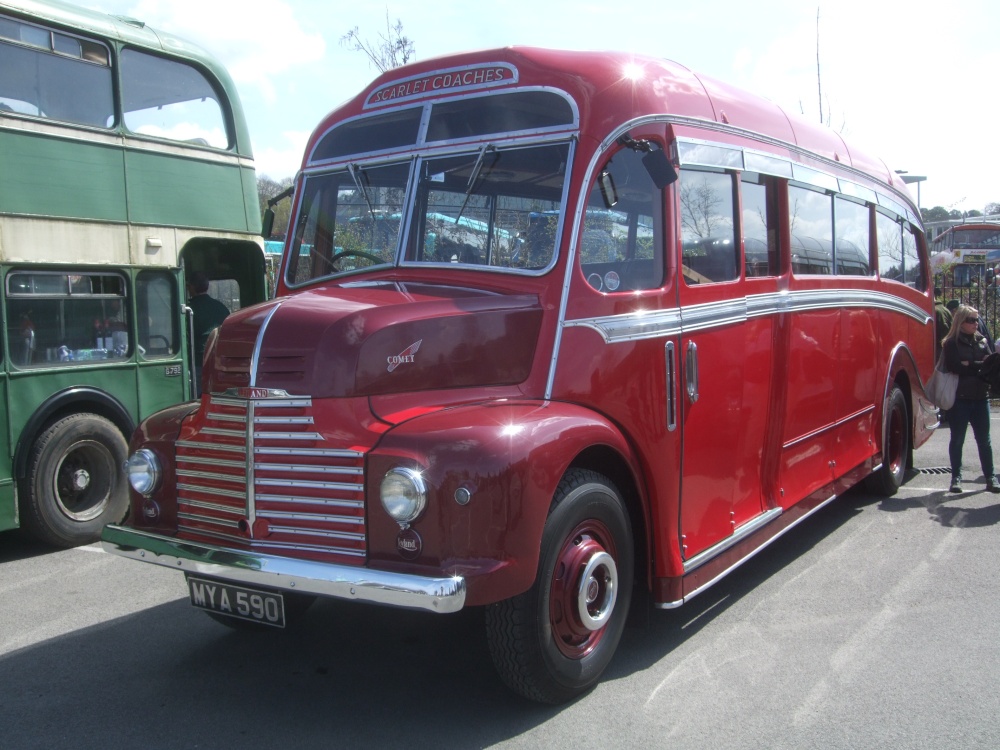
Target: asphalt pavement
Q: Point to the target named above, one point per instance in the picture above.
(871, 625)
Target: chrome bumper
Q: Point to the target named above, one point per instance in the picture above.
(301, 576)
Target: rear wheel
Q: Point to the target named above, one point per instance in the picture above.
(554, 641)
(75, 483)
(895, 446)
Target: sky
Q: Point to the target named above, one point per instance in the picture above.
(909, 81)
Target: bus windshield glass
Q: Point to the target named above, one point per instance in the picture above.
(494, 208)
(988, 239)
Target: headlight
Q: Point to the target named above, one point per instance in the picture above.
(143, 469)
(404, 494)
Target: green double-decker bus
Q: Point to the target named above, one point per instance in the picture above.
(125, 167)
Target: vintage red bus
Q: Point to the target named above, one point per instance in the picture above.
(553, 330)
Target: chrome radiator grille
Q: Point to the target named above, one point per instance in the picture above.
(258, 475)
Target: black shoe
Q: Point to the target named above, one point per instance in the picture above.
(956, 485)
(993, 485)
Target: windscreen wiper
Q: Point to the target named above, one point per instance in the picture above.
(357, 174)
(476, 169)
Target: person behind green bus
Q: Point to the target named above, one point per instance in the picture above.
(208, 314)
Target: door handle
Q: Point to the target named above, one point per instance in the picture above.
(691, 372)
(671, 371)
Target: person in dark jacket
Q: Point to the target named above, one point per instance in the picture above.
(964, 350)
(208, 314)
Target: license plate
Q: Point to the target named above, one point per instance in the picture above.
(265, 607)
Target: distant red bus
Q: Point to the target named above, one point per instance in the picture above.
(553, 330)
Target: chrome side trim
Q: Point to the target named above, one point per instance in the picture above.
(827, 428)
(751, 554)
(737, 536)
(654, 324)
(445, 594)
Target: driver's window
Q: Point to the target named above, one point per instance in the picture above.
(156, 320)
(621, 246)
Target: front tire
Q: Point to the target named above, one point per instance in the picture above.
(553, 642)
(75, 483)
(895, 446)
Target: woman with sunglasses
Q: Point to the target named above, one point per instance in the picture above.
(964, 349)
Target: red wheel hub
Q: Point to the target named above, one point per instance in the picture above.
(584, 589)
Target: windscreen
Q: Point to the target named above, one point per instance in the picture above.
(492, 208)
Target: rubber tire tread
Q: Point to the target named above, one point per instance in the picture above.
(39, 516)
(884, 482)
(512, 628)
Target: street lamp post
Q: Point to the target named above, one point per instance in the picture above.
(909, 179)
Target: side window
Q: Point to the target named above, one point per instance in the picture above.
(760, 224)
(169, 99)
(810, 215)
(890, 247)
(621, 247)
(156, 310)
(55, 318)
(852, 251)
(710, 251)
(913, 270)
(54, 75)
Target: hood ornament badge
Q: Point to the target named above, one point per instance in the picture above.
(407, 356)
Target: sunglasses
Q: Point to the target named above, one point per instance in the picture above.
(971, 320)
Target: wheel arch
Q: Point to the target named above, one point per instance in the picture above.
(610, 463)
(75, 400)
(902, 371)
(515, 454)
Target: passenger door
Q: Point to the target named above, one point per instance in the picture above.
(724, 366)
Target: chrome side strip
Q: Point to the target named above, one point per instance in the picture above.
(752, 553)
(677, 321)
(737, 536)
(827, 428)
(435, 594)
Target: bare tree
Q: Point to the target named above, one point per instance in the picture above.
(391, 50)
(267, 189)
(700, 206)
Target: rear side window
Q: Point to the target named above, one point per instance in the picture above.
(55, 318)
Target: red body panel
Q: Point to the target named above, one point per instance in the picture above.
(723, 412)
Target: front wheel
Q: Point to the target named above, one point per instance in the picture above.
(553, 642)
(75, 483)
(895, 446)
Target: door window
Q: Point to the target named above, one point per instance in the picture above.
(708, 227)
(156, 307)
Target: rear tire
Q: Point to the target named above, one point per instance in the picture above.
(553, 642)
(75, 483)
(895, 446)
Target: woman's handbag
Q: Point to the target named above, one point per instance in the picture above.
(942, 386)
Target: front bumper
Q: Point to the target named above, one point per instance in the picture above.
(301, 576)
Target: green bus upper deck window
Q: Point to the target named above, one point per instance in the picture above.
(53, 75)
(172, 100)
